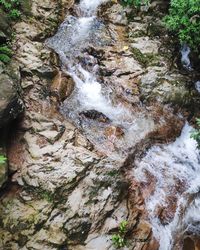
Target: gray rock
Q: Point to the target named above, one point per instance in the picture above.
(10, 103)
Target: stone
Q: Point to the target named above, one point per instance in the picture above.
(143, 231)
(62, 86)
(117, 14)
(146, 45)
(10, 103)
(95, 115)
(113, 131)
(164, 87)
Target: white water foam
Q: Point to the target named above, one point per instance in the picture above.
(185, 52)
(91, 96)
(89, 7)
(197, 86)
(69, 42)
(171, 165)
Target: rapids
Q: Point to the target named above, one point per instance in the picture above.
(172, 173)
(70, 42)
(174, 169)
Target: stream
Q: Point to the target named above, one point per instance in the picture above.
(168, 174)
(92, 96)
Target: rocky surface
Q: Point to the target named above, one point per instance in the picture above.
(66, 192)
(11, 104)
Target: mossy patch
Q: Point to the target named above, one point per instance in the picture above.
(25, 6)
(46, 195)
(146, 59)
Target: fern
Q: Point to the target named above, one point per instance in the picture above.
(2, 159)
(4, 58)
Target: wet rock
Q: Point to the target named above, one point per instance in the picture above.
(152, 245)
(95, 115)
(124, 65)
(113, 131)
(159, 85)
(143, 231)
(62, 86)
(10, 103)
(189, 244)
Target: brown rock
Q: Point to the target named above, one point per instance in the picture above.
(95, 115)
(143, 231)
(113, 131)
(62, 86)
(152, 245)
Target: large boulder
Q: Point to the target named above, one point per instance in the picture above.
(10, 103)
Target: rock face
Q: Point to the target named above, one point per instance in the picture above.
(66, 192)
(11, 104)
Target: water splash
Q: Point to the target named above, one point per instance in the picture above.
(89, 7)
(197, 86)
(91, 96)
(175, 169)
(185, 52)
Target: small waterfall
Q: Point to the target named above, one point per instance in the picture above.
(89, 7)
(197, 86)
(174, 168)
(71, 41)
(72, 37)
(185, 52)
(91, 95)
(173, 171)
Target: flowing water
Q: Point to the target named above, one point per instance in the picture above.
(74, 37)
(197, 86)
(169, 175)
(170, 178)
(185, 52)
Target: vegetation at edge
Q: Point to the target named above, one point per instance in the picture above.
(11, 7)
(118, 239)
(183, 20)
(2, 159)
(10, 11)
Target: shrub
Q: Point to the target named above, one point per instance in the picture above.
(119, 238)
(184, 20)
(5, 54)
(2, 159)
(11, 7)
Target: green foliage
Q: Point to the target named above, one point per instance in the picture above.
(5, 50)
(11, 7)
(184, 20)
(2, 159)
(119, 238)
(136, 3)
(5, 54)
(113, 173)
(4, 58)
(46, 195)
(196, 133)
